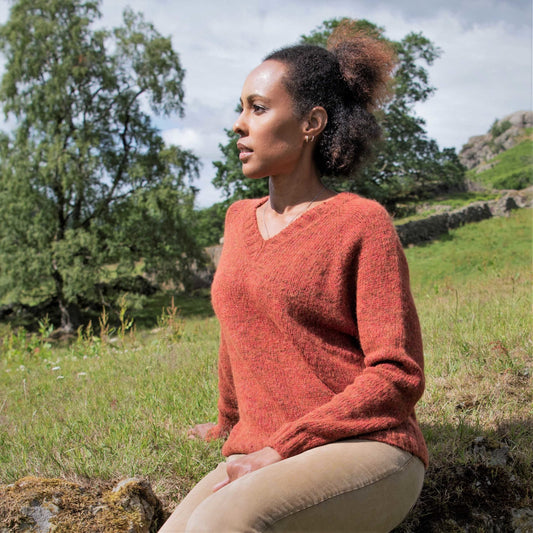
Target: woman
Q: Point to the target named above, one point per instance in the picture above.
(320, 362)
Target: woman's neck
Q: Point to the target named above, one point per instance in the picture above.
(288, 192)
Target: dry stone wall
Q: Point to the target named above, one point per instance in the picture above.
(430, 228)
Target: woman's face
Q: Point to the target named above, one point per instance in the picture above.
(271, 136)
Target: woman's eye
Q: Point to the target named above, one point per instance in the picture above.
(258, 108)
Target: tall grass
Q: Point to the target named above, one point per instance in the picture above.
(120, 404)
(110, 406)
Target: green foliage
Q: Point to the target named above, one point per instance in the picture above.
(209, 224)
(171, 323)
(19, 346)
(408, 166)
(85, 178)
(498, 127)
(512, 169)
(150, 388)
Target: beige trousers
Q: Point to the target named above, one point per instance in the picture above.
(346, 486)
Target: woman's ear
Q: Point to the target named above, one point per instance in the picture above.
(316, 121)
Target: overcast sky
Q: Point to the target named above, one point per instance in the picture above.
(484, 71)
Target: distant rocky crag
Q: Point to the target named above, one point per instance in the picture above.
(477, 154)
(504, 134)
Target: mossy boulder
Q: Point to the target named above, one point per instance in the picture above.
(43, 505)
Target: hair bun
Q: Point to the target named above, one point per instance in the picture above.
(365, 62)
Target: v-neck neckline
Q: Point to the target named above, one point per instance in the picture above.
(255, 238)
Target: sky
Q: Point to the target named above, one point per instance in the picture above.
(484, 71)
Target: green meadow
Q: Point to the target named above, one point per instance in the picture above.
(119, 403)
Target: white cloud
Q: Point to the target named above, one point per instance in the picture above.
(186, 138)
(484, 73)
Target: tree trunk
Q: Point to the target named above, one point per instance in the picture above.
(70, 312)
(70, 316)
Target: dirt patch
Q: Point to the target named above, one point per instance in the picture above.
(475, 497)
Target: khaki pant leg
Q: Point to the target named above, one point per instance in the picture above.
(351, 485)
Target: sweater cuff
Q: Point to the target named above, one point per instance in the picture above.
(288, 444)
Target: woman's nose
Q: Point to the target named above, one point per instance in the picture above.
(239, 125)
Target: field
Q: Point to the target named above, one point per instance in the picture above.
(119, 404)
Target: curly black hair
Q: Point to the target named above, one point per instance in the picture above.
(347, 80)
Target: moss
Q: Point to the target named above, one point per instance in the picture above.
(79, 508)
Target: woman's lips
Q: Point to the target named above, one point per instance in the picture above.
(244, 151)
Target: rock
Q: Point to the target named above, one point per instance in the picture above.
(136, 495)
(481, 148)
(41, 505)
(429, 228)
(493, 453)
(503, 206)
(38, 514)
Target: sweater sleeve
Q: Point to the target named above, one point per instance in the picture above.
(228, 411)
(383, 396)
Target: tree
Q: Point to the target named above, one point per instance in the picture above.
(209, 223)
(407, 166)
(87, 187)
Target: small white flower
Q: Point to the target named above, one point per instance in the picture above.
(82, 374)
(60, 377)
(56, 368)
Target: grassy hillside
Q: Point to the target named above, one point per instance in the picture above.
(120, 404)
(512, 169)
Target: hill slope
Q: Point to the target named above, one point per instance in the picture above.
(503, 157)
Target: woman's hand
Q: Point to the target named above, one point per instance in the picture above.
(248, 463)
(199, 431)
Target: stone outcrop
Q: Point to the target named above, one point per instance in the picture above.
(42, 505)
(480, 149)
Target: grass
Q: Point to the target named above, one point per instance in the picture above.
(446, 202)
(119, 405)
(111, 406)
(473, 290)
(512, 169)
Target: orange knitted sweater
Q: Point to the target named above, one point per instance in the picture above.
(320, 338)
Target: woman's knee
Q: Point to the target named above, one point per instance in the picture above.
(348, 486)
(376, 506)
